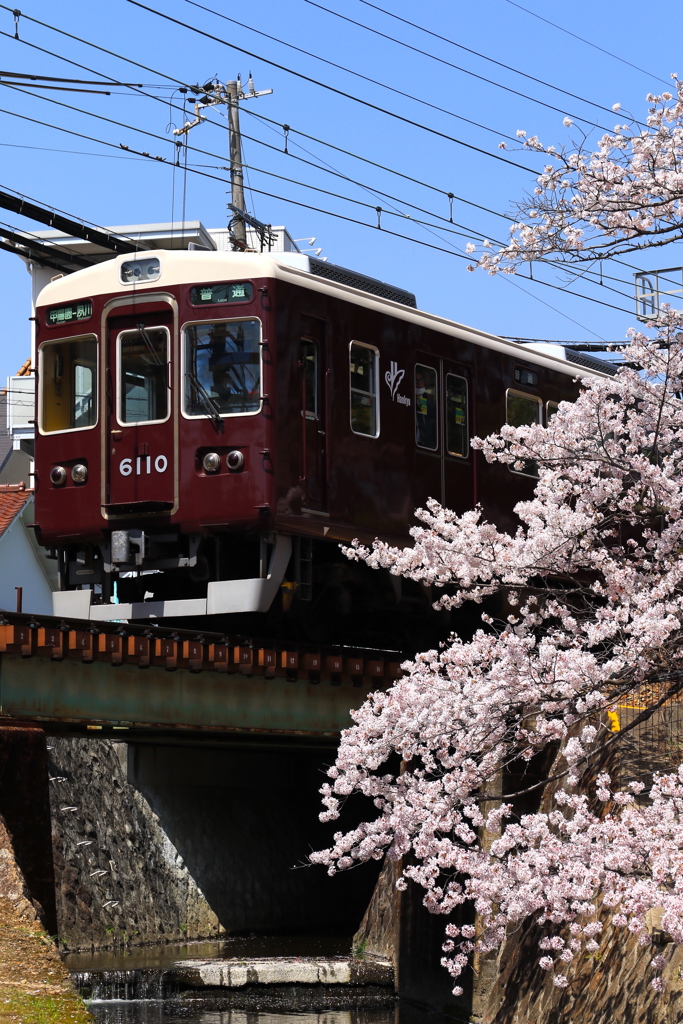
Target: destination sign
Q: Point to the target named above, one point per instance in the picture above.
(72, 313)
(209, 294)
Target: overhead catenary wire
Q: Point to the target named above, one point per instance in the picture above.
(465, 71)
(451, 196)
(170, 78)
(150, 134)
(179, 82)
(352, 220)
(383, 85)
(471, 232)
(586, 41)
(500, 64)
(339, 149)
(333, 89)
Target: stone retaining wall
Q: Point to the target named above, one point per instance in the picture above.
(118, 876)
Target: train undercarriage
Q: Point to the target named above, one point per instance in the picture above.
(265, 584)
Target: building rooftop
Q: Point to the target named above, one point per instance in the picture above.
(13, 498)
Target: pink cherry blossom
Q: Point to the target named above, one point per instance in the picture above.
(594, 203)
(593, 577)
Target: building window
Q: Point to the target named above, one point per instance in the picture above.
(521, 411)
(425, 407)
(363, 361)
(457, 440)
(550, 410)
(68, 384)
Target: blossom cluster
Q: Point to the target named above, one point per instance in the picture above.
(592, 585)
(589, 205)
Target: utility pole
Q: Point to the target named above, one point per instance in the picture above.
(232, 93)
(239, 229)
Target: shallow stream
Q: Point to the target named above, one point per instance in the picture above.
(171, 1012)
(139, 986)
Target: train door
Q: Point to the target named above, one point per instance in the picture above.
(459, 471)
(313, 376)
(139, 436)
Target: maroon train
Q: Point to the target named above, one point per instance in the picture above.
(211, 426)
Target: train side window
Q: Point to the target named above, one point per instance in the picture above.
(67, 397)
(425, 407)
(222, 368)
(521, 411)
(309, 370)
(363, 361)
(456, 416)
(550, 410)
(143, 375)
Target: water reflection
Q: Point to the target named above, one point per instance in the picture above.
(174, 1012)
(159, 957)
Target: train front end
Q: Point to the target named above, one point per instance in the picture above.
(154, 476)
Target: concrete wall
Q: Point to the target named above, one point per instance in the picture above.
(194, 842)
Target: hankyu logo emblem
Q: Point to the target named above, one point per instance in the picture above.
(393, 377)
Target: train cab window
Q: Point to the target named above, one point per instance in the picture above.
(425, 407)
(67, 398)
(222, 368)
(363, 361)
(456, 416)
(143, 375)
(309, 370)
(521, 411)
(550, 410)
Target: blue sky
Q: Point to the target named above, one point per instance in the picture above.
(91, 180)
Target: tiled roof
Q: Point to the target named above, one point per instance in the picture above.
(13, 497)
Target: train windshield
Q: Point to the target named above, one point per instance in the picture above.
(68, 391)
(222, 368)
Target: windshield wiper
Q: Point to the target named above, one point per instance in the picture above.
(206, 400)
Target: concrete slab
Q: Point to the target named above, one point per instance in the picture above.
(283, 971)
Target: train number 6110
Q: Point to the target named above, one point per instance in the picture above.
(143, 464)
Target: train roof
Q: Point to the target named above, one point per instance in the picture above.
(183, 266)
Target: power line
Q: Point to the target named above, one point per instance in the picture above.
(586, 41)
(194, 149)
(64, 88)
(451, 196)
(69, 81)
(179, 82)
(344, 198)
(79, 39)
(71, 152)
(150, 134)
(332, 89)
(456, 67)
(325, 212)
(356, 74)
(500, 64)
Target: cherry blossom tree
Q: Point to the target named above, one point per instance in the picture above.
(592, 587)
(594, 205)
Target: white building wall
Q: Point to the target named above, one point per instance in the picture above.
(19, 567)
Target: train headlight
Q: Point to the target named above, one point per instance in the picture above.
(234, 460)
(79, 473)
(58, 475)
(211, 462)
